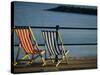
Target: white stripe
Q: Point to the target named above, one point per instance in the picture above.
(45, 33)
(50, 43)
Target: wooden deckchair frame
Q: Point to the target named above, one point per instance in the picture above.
(64, 54)
(28, 55)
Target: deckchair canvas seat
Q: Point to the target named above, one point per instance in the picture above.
(54, 45)
(28, 43)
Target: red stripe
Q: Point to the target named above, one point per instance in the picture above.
(30, 43)
(23, 36)
(23, 40)
(27, 40)
(20, 39)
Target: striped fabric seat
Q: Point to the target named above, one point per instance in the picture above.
(50, 38)
(28, 42)
(54, 45)
(24, 37)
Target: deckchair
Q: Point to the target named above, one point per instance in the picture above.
(54, 46)
(29, 45)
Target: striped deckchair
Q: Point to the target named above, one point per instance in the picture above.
(29, 44)
(54, 45)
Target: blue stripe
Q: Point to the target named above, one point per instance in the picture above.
(59, 49)
(55, 42)
(57, 46)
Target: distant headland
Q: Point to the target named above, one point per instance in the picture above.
(91, 10)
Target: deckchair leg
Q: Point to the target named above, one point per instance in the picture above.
(63, 57)
(17, 55)
(58, 63)
(52, 61)
(66, 57)
(28, 61)
(32, 59)
(43, 59)
(26, 57)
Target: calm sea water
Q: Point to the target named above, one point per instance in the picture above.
(26, 14)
